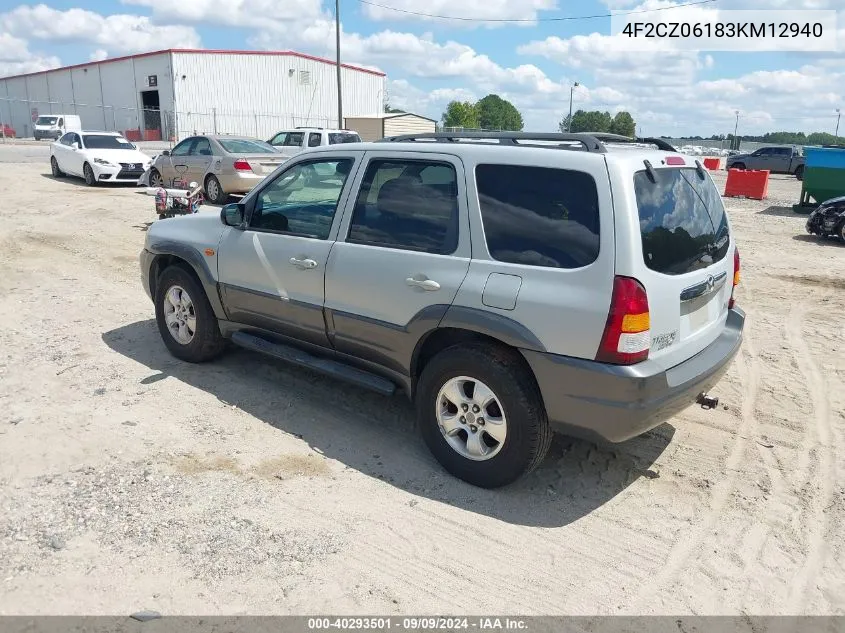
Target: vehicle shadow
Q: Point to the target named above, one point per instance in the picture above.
(377, 436)
(781, 212)
(819, 240)
(79, 182)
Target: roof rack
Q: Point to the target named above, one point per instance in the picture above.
(588, 142)
(618, 138)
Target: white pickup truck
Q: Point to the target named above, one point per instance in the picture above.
(291, 142)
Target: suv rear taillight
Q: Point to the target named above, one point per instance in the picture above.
(732, 301)
(242, 165)
(627, 335)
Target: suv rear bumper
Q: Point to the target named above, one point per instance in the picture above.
(615, 403)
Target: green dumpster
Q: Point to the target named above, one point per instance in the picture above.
(824, 177)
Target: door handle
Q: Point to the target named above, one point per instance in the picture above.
(425, 284)
(304, 264)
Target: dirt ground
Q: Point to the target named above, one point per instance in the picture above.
(129, 480)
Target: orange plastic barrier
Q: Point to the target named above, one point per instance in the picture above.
(132, 135)
(152, 135)
(747, 184)
(712, 163)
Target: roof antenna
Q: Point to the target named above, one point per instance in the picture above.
(652, 175)
(700, 169)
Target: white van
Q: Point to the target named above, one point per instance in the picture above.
(53, 126)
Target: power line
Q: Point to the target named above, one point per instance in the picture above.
(516, 20)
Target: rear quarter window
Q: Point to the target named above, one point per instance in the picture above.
(539, 216)
(682, 221)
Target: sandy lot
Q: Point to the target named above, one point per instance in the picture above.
(129, 480)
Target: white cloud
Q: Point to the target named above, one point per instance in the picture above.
(16, 58)
(244, 13)
(119, 33)
(98, 55)
(413, 10)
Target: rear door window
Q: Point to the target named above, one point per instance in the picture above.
(539, 216)
(682, 221)
(408, 205)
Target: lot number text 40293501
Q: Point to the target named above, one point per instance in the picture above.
(425, 623)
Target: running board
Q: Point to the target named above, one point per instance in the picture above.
(301, 358)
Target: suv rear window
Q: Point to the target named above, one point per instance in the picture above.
(539, 216)
(682, 221)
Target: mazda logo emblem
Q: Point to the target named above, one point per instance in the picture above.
(710, 283)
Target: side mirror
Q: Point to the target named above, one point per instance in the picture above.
(165, 152)
(232, 214)
(74, 145)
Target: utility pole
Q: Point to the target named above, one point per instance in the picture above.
(337, 41)
(736, 127)
(838, 116)
(571, 90)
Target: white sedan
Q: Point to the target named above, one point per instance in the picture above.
(98, 157)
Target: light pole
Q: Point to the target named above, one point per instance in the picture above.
(337, 41)
(571, 91)
(736, 127)
(838, 116)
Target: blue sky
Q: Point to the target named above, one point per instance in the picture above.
(430, 62)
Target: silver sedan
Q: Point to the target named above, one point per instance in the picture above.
(223, 164)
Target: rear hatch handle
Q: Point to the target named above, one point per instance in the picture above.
(706, 287)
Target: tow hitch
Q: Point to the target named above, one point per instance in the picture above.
(707, 402)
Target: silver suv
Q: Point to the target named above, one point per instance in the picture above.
(509, 284)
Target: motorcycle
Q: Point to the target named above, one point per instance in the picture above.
(179, 199)
(828, 220)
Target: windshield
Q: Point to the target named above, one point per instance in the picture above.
(246, 146)
(682, 221)
(101, 141)
(335, 138)
(47, 120)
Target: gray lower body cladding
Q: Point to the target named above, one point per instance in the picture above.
(615, 403)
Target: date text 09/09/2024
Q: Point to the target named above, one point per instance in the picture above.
(418, 624)
(723, 29)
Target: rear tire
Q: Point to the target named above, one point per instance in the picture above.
(201, 343)
(799, 172)
(515, 396)
(88, 173)
(214, 191)
(54, 166)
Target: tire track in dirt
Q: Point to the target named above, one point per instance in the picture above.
(825, 474)
(689, 542)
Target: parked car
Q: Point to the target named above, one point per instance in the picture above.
(54, 126)
(509, 289)
(98, 157)
(223, 164)
(291, 142)
(778, 160)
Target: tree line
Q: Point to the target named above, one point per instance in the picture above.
(775, 138)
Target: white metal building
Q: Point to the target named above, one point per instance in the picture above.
(174, 93)
(379, 126)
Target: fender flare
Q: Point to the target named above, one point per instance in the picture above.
(198, 264)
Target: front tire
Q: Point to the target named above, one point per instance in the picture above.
(54, 166)
(738, 166)
(799, 172)
(481, 415)
(214, 191)
(155, 178)
(88, 173)
(186, 322)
